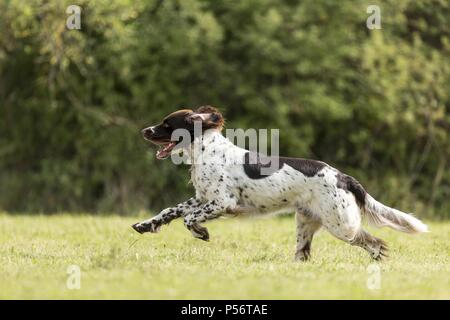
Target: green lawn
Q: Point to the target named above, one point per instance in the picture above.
(245, 259)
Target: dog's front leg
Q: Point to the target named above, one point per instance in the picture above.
(166, 216)
(207, 211)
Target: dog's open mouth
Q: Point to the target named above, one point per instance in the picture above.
(165, 150)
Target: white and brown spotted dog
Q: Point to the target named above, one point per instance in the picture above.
(228, 180)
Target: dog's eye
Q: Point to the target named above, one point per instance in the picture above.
(166, 125)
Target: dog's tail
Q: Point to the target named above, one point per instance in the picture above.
(381, 215)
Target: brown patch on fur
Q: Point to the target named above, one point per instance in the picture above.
(348, 183)
(215, 120)
(253, 165)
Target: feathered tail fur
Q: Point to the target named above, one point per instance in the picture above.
(381, 215)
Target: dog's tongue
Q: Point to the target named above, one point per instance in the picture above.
(165, 150)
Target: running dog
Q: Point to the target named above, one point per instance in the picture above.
(229, 180)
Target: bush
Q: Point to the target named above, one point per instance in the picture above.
(374, 103)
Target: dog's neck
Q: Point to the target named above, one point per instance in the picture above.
(206, 140)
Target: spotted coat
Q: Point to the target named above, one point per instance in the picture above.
(228, 181)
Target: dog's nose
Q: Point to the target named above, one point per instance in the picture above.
(148, 130)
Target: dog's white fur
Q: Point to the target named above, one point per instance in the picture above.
(223, 187)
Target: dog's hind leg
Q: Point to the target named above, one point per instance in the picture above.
(343, 220)
(376, 247)
(307, 225)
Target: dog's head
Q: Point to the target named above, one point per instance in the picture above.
(161, 134)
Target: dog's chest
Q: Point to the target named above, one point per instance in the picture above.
(208, 177)
(211, 172)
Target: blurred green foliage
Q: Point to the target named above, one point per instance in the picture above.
(373, 103)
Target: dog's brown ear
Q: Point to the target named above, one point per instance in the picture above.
(194, 116)
(207, 109)
(210, 117)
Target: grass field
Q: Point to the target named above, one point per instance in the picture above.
(246, 259)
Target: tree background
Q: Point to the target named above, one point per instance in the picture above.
(373, 103)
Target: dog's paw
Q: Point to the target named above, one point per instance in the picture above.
(382, 252)
(302, 255)
(200, 232)
(147, 226)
